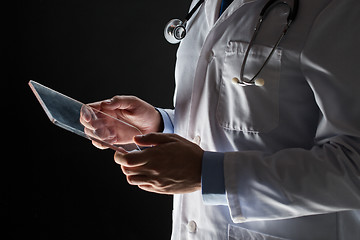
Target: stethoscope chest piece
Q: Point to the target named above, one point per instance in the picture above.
(175, 31)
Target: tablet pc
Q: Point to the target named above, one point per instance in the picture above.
(65, 112)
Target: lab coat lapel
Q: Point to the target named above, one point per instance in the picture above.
(212, 10)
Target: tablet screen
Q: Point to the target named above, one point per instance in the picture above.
(66, 112)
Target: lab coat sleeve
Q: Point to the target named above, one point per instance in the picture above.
(326, 178)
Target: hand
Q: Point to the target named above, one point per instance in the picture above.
(171, 166)
(129, 109)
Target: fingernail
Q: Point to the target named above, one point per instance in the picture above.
(86, 114)
(107, 101)
(138, 137)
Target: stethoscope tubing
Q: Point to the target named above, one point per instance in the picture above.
(177, 31)
(266, 9)
(193, 10)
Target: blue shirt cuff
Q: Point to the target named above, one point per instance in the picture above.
(212, 179)
(168, 125)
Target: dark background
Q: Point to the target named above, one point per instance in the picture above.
(54, 184)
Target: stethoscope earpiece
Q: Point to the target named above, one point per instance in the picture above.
(175, 31)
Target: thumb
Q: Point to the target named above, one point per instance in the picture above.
(119, 102)
(152, 139)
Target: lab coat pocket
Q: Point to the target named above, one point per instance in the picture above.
(249, 108)
(237, 233)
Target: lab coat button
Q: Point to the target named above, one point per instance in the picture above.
(211, 56)
(191, 226)
(197, 140)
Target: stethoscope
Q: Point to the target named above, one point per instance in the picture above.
(175, 31)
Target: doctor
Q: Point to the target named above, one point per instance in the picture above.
(276, 161)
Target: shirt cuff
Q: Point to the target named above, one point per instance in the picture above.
(212, 179)
(168, 125)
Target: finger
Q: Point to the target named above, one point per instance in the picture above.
(138, 180)
(93, 118)
(95, 105)
(132, 159)
(93, 124)
(84, 122)
(131, 171)
(99, 145)
(103, 134)
(90, 120)
(120, 150)
(150, 188)
(119, 102)
(86, 114)
(154, 139)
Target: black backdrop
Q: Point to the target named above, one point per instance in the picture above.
(54, 184)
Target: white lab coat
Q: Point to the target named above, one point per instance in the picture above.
(292, 147)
